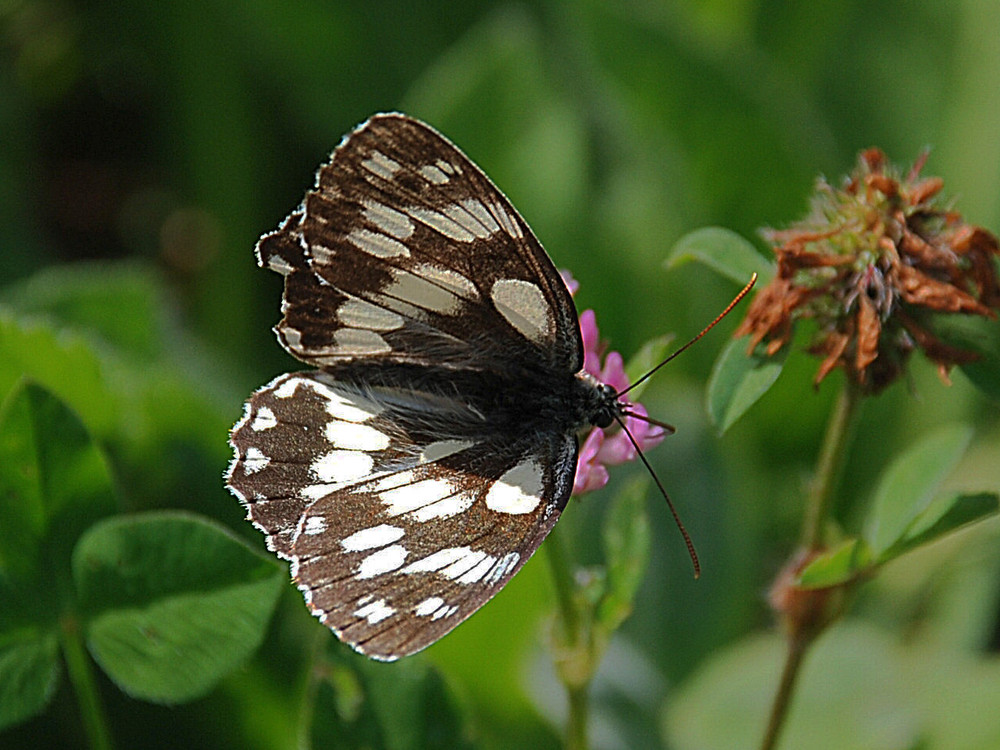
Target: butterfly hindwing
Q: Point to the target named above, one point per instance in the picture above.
(395, 538)
(406, 251)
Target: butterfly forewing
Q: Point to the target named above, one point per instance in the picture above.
(411, 476)
(415, 253)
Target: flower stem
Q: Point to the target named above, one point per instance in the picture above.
(579, 710)
(81, 675)
(839, 431)
(314, 669)
(562, 576)
(572, 655)
(797, 648)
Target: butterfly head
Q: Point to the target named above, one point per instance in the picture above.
(609, 406)
(599, 403)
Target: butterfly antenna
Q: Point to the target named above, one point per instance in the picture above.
(665, 426)
(659, 485)
(706, 329)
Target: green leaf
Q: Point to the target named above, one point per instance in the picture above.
(723, 251)
(401, 706)
(29, 673)
(836, 566)
(738, 381)
(173, 602)
(945, 514)
(142, 386)
(54, 483)
(63, 362)
(908, 485)
(626, 553)
(122, 303)
(975, 334)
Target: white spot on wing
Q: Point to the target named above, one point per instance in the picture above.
(465, 564)
(292, 339)
(287, 389)
(518, 490)
(380, 164)
(357, 313)
(443, 448)
(448, 167)
(437, 560)
(477, 572)
(358, 341)
(504, 565)
(449, 506)
(321, 254)
(432, 173)
(384, 561)
(371, 538)
(445, 611)
(314, 525)
(377, 244)
(523, 305)
(454, 281)
(416, 495)
(342, 466)
(428, 606)
(403, 308)
(345, 405)
(277, 263)
(264, 420)
(508, 222)
(422, 293)
(254, 461)
(355, 437)
(389, 220)
(472, 214)
(393, 480)
(442, 224)
(316, 491)
(375, 612)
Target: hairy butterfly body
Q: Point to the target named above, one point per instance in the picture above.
(412, 473)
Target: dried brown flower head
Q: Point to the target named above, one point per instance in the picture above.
(869, 264)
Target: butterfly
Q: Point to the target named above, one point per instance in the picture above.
(415, 470)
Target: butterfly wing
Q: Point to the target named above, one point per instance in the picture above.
(402, 480)
(406, 252)
(397, 531)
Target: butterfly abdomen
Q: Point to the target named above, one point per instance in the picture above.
(469, 404)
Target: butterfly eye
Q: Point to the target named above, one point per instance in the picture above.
(608, 408)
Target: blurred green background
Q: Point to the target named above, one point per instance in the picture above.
(145, 146)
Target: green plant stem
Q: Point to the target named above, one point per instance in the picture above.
(81, 675)
(562, 576)
(314, 670)
(797, 648)
(839, 431)
(573, 665)
(579, 711)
